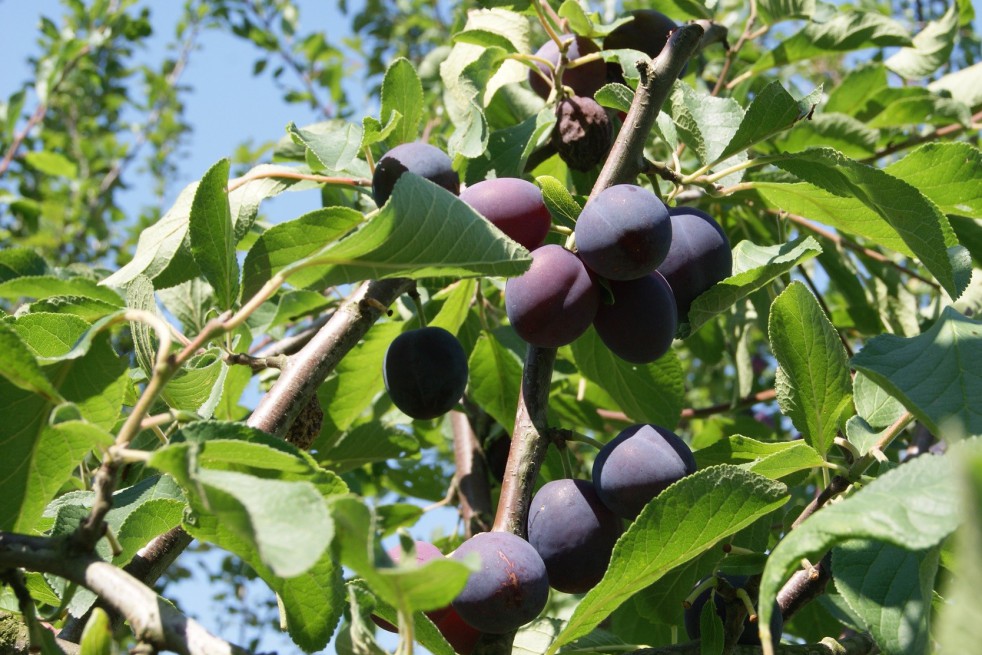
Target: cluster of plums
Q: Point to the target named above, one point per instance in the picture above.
(653, 262)
(572, 528)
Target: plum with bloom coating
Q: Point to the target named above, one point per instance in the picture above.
(574, 533)
(585, 80)
(553, 302)
(698, 258)
(514, 206)
(624, 232)
(419, 158)
(637, 465)
(640, 324)
(509, 590)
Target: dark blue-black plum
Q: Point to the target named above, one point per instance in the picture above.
(553, 302)
(624, 232)
(698, 258)
(425, 372)
(509, 590)
(750, 635)
(585, 80)
(419, 158)
(514, 206)
(647, 31)
(640, 324)
(637, 465)
(573, 532)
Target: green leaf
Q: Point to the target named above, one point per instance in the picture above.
(774, 11)
(964, 86)
(814, 385)
(494, 380)
(456, 306)
(681, 522)
(486, 39)
(212, 235)
(936, 375)
(263, 490)
(711, 633)
(849, 136)
(150, 519)
(18, 365)
(402, 93)
(753, 268)
(290, 241)
(875, 405)
(51, 163)
(563, 207)
(931, 48)
(331, 146)
(425, 633)
(959, 629)
(48, 286)
(19, 262)
(367, 443)
(408, 586)
(910, 507)
(259, 183)
(706, 123)
(197, 386)
(856, 89)
(772, 460)
(912, 106)
(947, 174)
(918, 221)
(647, 393)
(890, 589)
(847, 214)
(773, 110)
(162, 251)
(471, 75)
(97, 637)
(615, 96)
(422, 231)
(846, 31)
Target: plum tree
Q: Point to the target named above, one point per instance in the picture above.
(585, 79)
(573, 532)
(425, 372)
(416, 157)
(637, 465)
(582, 133)
(624, 232)
(647, 31)
(515, 207)
(640, 324)
(698, 258)
(510, 588)
(750, 635)
(553, 302)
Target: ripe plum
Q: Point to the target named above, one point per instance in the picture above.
(425, 372)
(515, 207)
(416, 157)
(698, 257)
(640, 324)
(585, 79)
(553, 302)
(624, 232)
(573, 532)
(637, 465)
(509, 590)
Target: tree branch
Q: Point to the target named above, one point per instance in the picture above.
(153, 620)
(471, 476)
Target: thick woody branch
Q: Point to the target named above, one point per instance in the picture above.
(307, 369)
(471, 477)
(153, 620)
(626, 159)
(529, 442)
